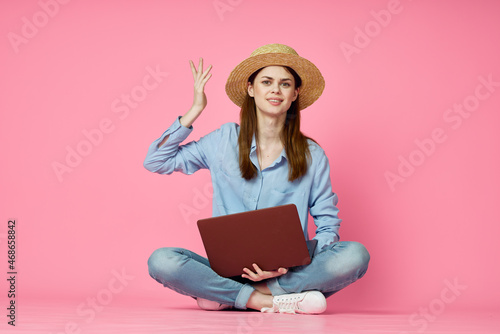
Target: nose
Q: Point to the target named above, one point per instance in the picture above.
(276, 88)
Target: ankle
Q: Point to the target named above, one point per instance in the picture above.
(259, 300)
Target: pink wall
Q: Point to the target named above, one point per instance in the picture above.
(417, 179)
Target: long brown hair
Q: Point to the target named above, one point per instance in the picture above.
(294, 141)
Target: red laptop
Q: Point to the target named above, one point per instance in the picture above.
(271, 238)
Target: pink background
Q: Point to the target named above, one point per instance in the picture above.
(109, 213)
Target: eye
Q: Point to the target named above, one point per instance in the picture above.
(266, 82)
(286, 84)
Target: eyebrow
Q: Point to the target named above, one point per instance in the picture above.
(283, 79)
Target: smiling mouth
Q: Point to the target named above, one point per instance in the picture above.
(275, 101)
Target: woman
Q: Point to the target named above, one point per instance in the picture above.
(263, 162)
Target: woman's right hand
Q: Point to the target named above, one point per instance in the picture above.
(200, 99)
(200, 79)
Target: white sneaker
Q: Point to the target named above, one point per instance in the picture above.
(210, 305)
(309, 302)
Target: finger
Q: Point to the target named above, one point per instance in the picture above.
(282, 270)
(205, 76)
(204, 81)
(258, 270)
(200, 66)
(248, 277)
(193, 69)
(207, 70)
(249, 274)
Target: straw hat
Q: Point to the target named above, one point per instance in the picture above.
(276, 54)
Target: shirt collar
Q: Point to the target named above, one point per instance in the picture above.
(254, 144)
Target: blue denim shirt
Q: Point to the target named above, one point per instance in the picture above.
(218, 152)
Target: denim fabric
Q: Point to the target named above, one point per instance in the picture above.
(333, 268)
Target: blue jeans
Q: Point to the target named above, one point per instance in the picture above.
(188, 273)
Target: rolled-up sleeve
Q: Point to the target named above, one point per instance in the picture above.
(323, 205)
(171, 157)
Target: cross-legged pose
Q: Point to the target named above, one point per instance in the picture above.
(264, 161)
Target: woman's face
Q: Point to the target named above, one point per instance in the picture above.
(273, 91)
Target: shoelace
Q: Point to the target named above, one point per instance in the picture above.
(288, 304)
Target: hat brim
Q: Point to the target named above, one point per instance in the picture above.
(311, 89)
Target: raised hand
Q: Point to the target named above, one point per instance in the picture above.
(200, 79)
(200, 99)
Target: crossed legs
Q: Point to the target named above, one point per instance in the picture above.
(331, 269)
